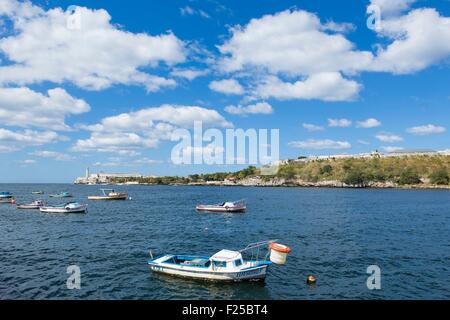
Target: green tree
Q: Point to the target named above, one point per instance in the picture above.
(409, 176)
(326, 169)
(440, 177)
(355, 177)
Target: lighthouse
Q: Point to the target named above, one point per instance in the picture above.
(87, 173)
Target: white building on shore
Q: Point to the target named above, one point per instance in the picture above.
(104, 178)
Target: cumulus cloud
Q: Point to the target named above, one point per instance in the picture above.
(419, 39)
(16, 140)
(189, 74)
(392, 7)
(58, 156)
(257, 108)
(128, 133)
(227, 86)
(327, 86)
(426, 130)
(343, 123)
(369, 123)
(95, 56)
(320, 144)
(24, 107)
(312, 127)
(319, 61)
(387, 137)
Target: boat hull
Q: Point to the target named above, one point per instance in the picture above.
(99, 198)
(28, 207)
(10, 201)
(82, 209)
(256, 273)
(220, 209)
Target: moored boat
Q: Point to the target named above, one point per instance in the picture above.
(10, 201)
(237, 206)
(37, 192)
(225, 265)
(110, 194)
(61, 195)
(34, 205)
(71, 207)
(6, 195)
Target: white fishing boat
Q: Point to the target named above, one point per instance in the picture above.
(71, 207)
(237, 206)
(34, 205)
(225, 265)
(110, 194)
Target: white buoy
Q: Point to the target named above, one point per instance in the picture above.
(278, 253)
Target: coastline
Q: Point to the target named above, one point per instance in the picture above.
(282, 183)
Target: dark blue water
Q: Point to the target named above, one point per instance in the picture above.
(335, 234)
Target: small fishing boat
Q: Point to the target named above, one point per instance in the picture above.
(61, 195)
(34, 205)
(37, 192)
(110, 194)
(237, 206)
(10, 201)
(5, 195)
(225, 265)
(71, 207)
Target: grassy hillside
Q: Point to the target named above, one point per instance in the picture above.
(401, 170)
(412, 170)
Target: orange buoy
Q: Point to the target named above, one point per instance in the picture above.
(279, 253)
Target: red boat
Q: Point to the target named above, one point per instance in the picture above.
(238, 206)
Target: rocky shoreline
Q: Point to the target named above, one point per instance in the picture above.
(280, 182)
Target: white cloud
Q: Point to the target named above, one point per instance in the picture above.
(189, 11)
(369, 123)
(327, 86)
(24, 107)
(426, 130)
(130, 132)
(15, 140)
(58, 156)
(227, 86)
(312, 127)
(95, 57)
(364, 142)
(291, 42)
(387, 137)
(297, 44)
(320, 144)
(343, 123)
(420, 39)
(257, 108)
(189, 74)
(125, 162)
(392, 7)
(27, 161)
(392, 149)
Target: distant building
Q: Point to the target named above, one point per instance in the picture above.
(412, 152)
(103, 178)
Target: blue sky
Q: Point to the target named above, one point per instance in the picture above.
(107, 93)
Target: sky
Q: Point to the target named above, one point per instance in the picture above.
(105, 84)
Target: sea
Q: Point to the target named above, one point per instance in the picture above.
(338, 235)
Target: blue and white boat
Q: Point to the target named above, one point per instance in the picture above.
(225, 265)
(6, 195)
(61, 195)
(71, 207)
